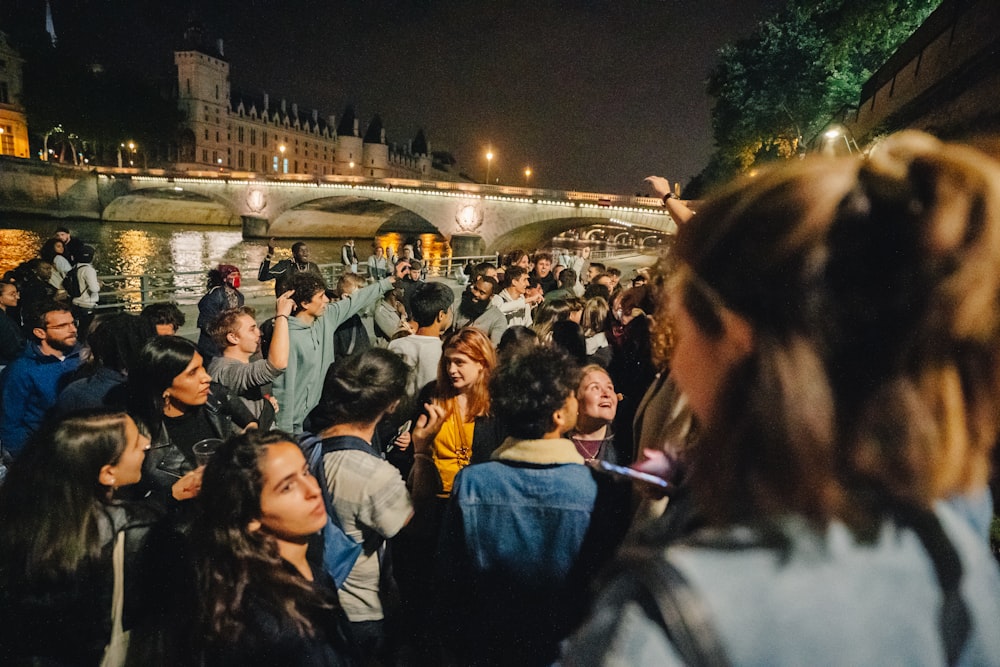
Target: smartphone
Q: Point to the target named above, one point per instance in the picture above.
(622, 471)
(402, 429)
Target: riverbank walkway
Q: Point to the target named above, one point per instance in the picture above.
(133, 292)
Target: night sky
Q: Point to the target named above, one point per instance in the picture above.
(592, 95)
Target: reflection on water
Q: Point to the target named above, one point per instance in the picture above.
(143, 249)
(16, 246)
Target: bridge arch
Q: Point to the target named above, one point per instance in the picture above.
(171, 204)
(346, 215)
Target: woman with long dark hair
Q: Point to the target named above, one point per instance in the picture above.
(59, 522)
(837, 335)
(172, 394)
(260, 601)
(53, 252)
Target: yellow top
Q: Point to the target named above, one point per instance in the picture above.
(452, 449)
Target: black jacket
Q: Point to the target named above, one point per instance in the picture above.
(68, 622)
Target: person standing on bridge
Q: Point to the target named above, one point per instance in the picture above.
(286, 268)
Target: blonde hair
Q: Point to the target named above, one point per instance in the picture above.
(873, 291)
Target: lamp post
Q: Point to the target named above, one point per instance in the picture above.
(527, 175)
(131, 153)
(489, 161)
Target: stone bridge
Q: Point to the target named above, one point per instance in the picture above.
(474, 218)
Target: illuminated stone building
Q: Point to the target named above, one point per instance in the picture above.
(13, 122)
(243, 133)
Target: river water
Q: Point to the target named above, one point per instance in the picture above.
(144, 248)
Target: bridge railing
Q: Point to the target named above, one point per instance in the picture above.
(481, 189)
(133, 292)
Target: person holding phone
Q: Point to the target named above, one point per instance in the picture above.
(837, 336)
(463, 431)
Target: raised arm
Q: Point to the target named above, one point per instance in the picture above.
(277, 353)
(265, 272)
(678, 210)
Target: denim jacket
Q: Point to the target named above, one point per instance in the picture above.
(523, 536)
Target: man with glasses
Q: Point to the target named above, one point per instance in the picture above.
(32, 382)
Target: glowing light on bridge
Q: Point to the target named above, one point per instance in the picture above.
(580, 200)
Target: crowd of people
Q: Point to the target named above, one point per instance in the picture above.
(774, 447)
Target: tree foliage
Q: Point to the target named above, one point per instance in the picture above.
(776, 89)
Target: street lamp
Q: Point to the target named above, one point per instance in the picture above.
(489, 161)
(282, 169)
(527, 175)
(131, 158)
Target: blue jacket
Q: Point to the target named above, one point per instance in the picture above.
(522, 538)
(30, 387)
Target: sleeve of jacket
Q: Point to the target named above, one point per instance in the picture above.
(18, 390)
(268, 272)
(339, 312)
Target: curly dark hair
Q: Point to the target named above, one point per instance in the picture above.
(305, 286)
(530, 387)
(230, 558)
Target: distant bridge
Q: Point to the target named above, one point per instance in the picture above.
(472, 216)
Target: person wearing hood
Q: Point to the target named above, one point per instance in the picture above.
(223, 294)
(312, 344)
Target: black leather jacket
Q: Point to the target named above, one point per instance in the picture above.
(165, 462)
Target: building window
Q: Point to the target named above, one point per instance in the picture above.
(253, 137)
(7, 140)
(204, 155)
(253, 161)
(216, 135)
(263, 139)
(275, 164)
(216, 92)
(284, 166)
(215, 157)
(206, 134)
(187, 86)
(239, 159)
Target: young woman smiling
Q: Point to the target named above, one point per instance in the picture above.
(598, 401)
(59, 523)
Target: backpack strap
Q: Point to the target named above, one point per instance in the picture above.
(674, 604)
(339, 550)
(343, 443)
(954, 618)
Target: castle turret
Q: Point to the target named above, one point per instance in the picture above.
(350, 152)
(376, 153)
(203, 97)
